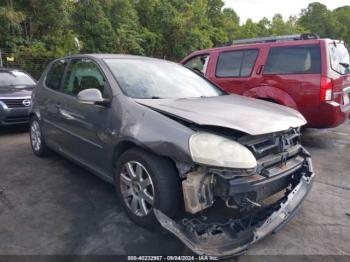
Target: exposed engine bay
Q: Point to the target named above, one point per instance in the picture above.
(228, 210)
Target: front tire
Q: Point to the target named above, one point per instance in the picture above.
(37, 140)
(144, 181)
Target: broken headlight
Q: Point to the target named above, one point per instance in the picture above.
(214, 150)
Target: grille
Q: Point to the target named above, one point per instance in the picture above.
(16, 103)
(275, 153)
(16, 119)
(264, 145)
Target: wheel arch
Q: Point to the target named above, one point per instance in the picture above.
(122, 147)
(128, 144)
(272, 94)
(35, 113)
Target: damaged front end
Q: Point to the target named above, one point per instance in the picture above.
(228, 210)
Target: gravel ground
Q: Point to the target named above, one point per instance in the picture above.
(52, 206)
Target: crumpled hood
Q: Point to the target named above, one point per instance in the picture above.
(16, 91)
(240, 113)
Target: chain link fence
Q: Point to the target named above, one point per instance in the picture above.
(33, 65)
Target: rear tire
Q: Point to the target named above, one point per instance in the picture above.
(37, 140)
(144, 181)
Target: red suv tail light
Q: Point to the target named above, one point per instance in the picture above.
(326, 89)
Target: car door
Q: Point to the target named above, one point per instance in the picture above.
(50, 100)
(234, 69)
(85, 124)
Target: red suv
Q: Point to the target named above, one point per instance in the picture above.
(303, 72)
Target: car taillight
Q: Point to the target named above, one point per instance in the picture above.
(326, 89)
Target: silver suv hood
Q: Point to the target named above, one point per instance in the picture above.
(15, 91)
(240, 113)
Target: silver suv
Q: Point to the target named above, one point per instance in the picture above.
(16, 87)
(219, 171)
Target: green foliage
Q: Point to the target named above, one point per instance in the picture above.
(94, 28)
(125, 22)
(40, 30)
(10, 28)
(317, 18)
(342, 15)
(230, 23)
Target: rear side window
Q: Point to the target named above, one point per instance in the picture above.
(236, 63)
(294, 60)
(339, 56)
(55, 75)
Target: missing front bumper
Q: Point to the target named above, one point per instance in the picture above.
(232, 243)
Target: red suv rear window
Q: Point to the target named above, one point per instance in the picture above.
(339, 56)
(294, 60)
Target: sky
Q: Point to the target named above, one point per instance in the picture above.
(257, 9)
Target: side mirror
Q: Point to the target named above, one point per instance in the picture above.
(92, 96)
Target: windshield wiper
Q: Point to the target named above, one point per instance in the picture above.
(149, 97)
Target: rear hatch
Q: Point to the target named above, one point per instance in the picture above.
(339, 72)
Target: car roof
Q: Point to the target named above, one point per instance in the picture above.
(261, 44)
(115, 56)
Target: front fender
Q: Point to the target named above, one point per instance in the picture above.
(272, 93)
(154, 131)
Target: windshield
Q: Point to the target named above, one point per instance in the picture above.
(15, 78)
(339, 56)
(143, 78)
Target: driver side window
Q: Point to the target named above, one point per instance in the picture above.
(199, 63)
(83, 74)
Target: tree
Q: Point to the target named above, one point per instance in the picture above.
(172, 28)
(217, 21)
(342, 15)
(279, 27)
(264, 27)
(93, 27)
(44, 30)
(248, 30)
(125, 22)
(215, 14)
(318, 19)
(231, 23)
(10, 28)
(44, 17)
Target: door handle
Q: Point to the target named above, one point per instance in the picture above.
(259, 70)
(65, 114)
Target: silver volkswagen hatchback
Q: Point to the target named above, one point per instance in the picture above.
(219, 171)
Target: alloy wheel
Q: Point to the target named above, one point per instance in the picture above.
(137, 188)
(35, 135)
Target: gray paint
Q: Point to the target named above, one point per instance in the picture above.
(15, 92)
(248, 115)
